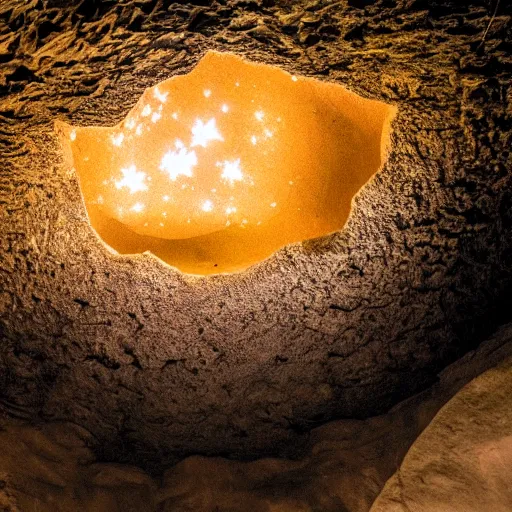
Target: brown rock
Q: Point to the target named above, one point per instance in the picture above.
(157, 366)
(462, 462)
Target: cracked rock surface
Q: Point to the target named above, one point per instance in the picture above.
(157, 365)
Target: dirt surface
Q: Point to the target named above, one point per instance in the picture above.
(157, 365)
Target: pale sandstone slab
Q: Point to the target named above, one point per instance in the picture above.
(463, 460)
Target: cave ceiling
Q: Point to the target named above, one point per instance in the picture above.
(155, 362)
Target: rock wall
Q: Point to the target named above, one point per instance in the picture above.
(158, 365)
(460, 462)
(463, 460)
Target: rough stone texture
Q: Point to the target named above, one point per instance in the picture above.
(50, 468)
(463, 460)
(158, 365)
(347, 461)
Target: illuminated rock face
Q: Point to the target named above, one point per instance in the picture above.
(215, 170)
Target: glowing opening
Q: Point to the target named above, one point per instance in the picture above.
(215, 170)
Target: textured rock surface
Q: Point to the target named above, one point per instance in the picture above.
(51, 467)
(157, 365)
(463, 460)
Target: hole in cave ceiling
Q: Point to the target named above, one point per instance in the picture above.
(215, 170)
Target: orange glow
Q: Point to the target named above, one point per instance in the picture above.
(215, 170)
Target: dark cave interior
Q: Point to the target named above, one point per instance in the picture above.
(365, 369)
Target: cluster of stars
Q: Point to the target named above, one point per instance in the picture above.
(180, 161)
